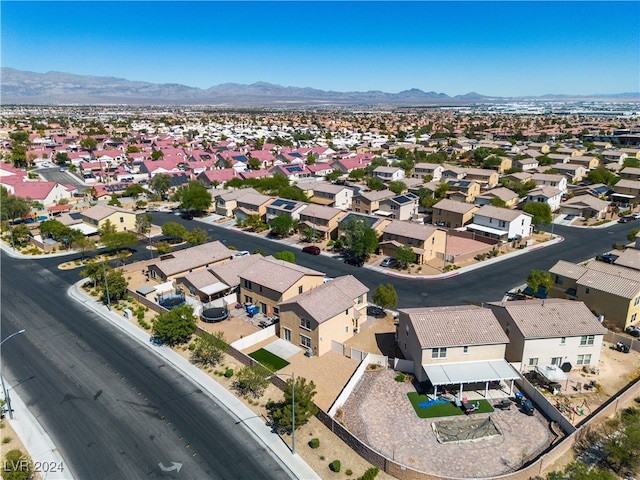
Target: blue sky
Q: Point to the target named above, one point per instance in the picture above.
(490, 47)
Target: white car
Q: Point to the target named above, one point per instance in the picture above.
(242, 253)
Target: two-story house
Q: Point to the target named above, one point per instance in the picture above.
(509, 197)
(252, 204)
(552, 196)
(500, 223)
(463, 190)
(432, 170)
(453, 346)
(586, 206)
(330, 312)
(626, 191)
(282, 206)
(323, 220)
(426, 241)
(401, 207)
(227, 200)
(99, 215)
(588, 162)
(550, 180)
(483, 176)
(451, 214)
(330, 195)
(268, 281)
(369, 202)
(181, 262)
(552, 331)
(607, 289)
(388, 174)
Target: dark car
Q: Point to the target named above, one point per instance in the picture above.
(633, 331)
(376, 312)
(389, 262)
(187, 216)
(312, 249)
(355, 261)
(623, 220)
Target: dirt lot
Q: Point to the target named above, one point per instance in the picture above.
(11, 441)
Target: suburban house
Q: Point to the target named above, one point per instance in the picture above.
(573, 172)
(552, 331)
(369, 202)
(501, 223)
(550, 180)
(614, 156)
(552, 196)
(181, 262)
(609, 290)
(526, 164)
(463, 190)
(329, 312)
(98, 215)
(252, 204)
(227, 200)
(629, 258)
(293, 171)
(426, 241)
(453, 346)
(586, 206)
(330, 195)
(388, 174)
(451, 214)
(401, 207)
(324, 220)
(282, 206)
(626, 191)
(376, 223)
(47, 193)
(482, 175)
(433, 170)
(267, 282)
(509, 197)
(588, 162)
(630, 173)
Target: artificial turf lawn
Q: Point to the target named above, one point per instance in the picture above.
(442, 409)
(269, 360)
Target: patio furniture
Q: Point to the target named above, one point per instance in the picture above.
(504, 404)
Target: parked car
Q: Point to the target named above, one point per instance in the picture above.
(636, 216)
(571, 216)
(187, 216)
(243, 253)
(389, 262)
(376, 312)
(623, 220)
(607, 257)
(633, 331)
(312, 249)
(355, 261)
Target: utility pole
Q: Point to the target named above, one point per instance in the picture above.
(7, 399)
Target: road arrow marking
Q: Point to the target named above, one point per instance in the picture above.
(174, 466)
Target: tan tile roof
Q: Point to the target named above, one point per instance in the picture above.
(320, 211)
(498, 213)
(254, 198)
(276, 275)
(453, 206)
(551, 318)
(502, 193)
(327, 188)
(194, 257)
(588, 200)
(229, 272)
(376, 196)
(455, 326)
(629, 258)
(409, 230)
(568, 270)
(625, 183)
(235, 194)
(201, 278)
(546, 192)
(98, 212)
(329, 299)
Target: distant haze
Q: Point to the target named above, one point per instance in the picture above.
(19, 87)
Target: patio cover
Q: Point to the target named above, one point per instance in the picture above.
(623, 195)
(470, 372)
(145, 290)
(552, 373)
(214, 288)
(84, 228)
(482, 228)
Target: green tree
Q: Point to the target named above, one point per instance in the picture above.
(107, 228)
(20, 234)
(375, 184)
(539, 278)
(117, 284)
(292, 193)
(493, 162)
(498, 202)
(631, 162)
(95, 272)
(163, 248)
(19, 146)
(310, 234)
(176, 325)
(254, 164)
(385, 296)
(62, 158)
(311, 158)
(286, 256)
(357, 174)
(119, 240)
(361, 239)
(602, 175)
(143, 223)
(333, 175)
(160, 184)
(209, 348)
(405, 255)
(541, 212)
(85, 245)
(197, 236)
(195, 197)
(581, 471)
(631, 234)
(283, 225)
(17, 466)
(234, 183)
(397, 187)
(622, 450)
(89, 144)
(134, 190)
(174, 230)
(11, 206)
(252, 380)
(303, 402)
(157, 155)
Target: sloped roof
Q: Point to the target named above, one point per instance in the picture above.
(276, 275)
(453, 206)
(455, 326)
(551, 318)
(194, 257)
(629, 258)
(498, 213)
(410, 230)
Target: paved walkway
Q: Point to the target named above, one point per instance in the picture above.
(380, 413)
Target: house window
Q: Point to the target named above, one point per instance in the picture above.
(587, 339)
(121, 219)
(636, 301)
(300, 289)
(465, 349)
(260, 287)
(305, 323)
(248, 299)
(633, 317)
(557, 361)
(433, 240)
(305, 341)
(563, 340)
(586, 290)
(533, 362)
(439, 352)
(407, 330)
(584, 359)
(247, 284)
(360, 300)
(346, 312)
(276, 311)
(559, 280)
(346, 329)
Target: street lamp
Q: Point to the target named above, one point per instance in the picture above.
(293, 407)
(106, 285)
(4, 388)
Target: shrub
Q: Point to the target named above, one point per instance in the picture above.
(314, 443)
(192, 346)
(322, 457)
(228, 373)
(370, 474)
(6, 439)
(348, 472)
(335, 466)
(401, 377)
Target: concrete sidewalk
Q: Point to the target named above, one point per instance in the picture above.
(246, 417)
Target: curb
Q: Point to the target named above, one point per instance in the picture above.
(253, 424)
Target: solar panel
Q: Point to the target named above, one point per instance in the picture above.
(402, 199)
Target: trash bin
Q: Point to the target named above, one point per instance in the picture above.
(519, 397)
(527, 407)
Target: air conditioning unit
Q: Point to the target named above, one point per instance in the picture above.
(308, 353)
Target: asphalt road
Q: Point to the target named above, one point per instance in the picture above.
(482, 285)
(53, 174)
(111, 405)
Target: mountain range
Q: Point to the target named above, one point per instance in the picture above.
(22, 87)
